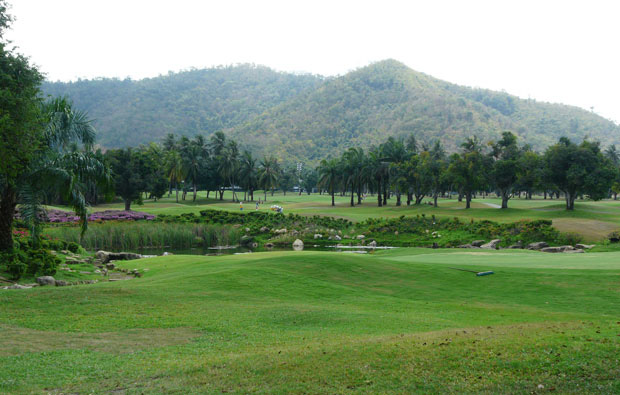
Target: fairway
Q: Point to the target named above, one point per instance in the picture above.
(323, 322)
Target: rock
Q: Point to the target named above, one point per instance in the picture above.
(253, 245)
(16, 286)
(110, 266)
(298, 245)
(516, 247)
(346, 236)
(466, 246)
(269, 245)
(247, 230)
(362, 237)
(102, 256)
(537, 246)
(396, 233)
(318, 236)
(372, 244)
(46, 280)
(264, 229)
(491, 245)
(167, 253)
(584, 246)
(477, 243)
(61, 283)
(280, 231)
(97, 271)
(338, 238)
(566, 248)
(575, 251)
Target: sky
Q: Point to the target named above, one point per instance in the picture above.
(557, 51)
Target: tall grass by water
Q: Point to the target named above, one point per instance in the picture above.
(137, 235)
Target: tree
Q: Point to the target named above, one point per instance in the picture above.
(578, 170)
(467, 172)
(127, 173)
(529, 174)
(248, 173)
(287, 179)
(329, 174)
(229, 165)
(20, 126)
(504, 169)
(175, 170)
(268, 174)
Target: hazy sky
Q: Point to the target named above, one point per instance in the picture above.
(560, 51)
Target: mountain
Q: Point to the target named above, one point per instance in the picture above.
(128, 113)
(305, 117)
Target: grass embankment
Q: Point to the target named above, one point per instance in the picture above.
(397, 321)
(593, 220)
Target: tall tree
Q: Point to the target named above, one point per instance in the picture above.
(20, 125)
(329, 174)
(128, 174)
(268, 174)
(504, 169)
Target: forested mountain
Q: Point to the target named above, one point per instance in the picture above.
(304, 117)
(128, 113)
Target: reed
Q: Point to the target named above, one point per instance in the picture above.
(137, 235)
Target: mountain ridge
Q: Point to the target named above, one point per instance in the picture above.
(306, 117)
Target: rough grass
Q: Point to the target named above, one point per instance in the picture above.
(315, 322)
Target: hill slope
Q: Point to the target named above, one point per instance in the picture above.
(303, 117)
(387, 98)
(128, 113)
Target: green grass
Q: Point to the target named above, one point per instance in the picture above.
(398, 321)
(592, 220)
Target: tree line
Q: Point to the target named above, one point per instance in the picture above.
(399, 168)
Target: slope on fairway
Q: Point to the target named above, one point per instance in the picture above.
(321, 322)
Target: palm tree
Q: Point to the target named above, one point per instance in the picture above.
(248, 173)
(269, 173)
(192, 164)
(175, 169)
(356, 171)
(229, 165)
(329, 175)
(65, 162)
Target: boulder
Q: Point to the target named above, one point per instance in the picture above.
(537, 246)
(372, 244)
(318, 236)
(269, 245)
(584, 246)
(102, 256)
(280, 231)
(466, 246)
(264, 229)
(167, 253)
(491, 245)
(62, 283)
(360, 237)
(298, 245)
(338, 238)
(477, 243)
(110, 266)
(46, 280)
(575, 251)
